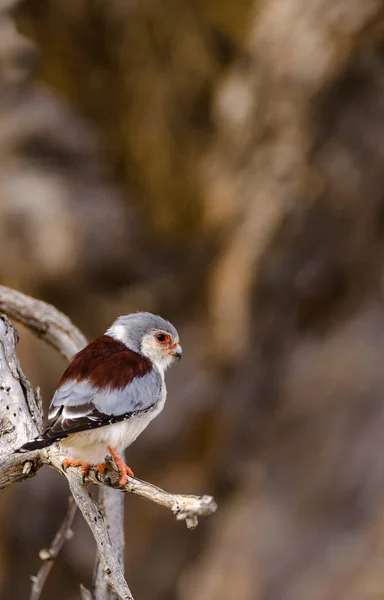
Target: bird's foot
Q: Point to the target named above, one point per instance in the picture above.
(67, 462)
(123, 469)
(101, 468)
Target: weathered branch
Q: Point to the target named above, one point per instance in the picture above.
(56, 329)
(111, 504)
(15, 467)
(50, 324)
(95, 520)
(48, 556)
(17, 405)
(21, 419)
(44, 319)
(185, 507)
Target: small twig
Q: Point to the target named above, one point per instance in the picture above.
(15, 468)
(185, 507)
(48, 556)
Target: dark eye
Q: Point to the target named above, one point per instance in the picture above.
(162, 338)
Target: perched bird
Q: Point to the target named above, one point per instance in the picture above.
(110, 392)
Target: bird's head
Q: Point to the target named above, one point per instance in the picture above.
(149, 335)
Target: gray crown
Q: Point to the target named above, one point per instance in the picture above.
(138, 324)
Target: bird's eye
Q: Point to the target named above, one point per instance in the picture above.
(162, 338)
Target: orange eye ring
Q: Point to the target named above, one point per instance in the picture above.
(162, 338)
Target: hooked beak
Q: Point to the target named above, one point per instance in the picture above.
(177, 351)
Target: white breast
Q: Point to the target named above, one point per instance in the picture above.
(92, 446)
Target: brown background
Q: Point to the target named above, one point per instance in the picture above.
(221, 163)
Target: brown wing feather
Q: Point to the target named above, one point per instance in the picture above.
(106, 362)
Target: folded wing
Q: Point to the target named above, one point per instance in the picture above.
(80, 406)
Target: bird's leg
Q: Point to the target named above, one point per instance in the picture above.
(123, 469)
(67, 462)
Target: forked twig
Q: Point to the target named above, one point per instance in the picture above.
(48, 556)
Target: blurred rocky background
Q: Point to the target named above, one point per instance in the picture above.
(221, 163)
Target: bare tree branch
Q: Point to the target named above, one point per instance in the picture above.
(17, 405)
(95, 520)
(185, 507)
(21, 419)
(111, 504)
(55, 328)
(15, 467)
(44, 319)
(48, 556)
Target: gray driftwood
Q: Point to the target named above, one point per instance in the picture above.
(21, 419)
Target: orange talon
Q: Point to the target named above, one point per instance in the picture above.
(67, 462)
(85, 469)
(123, 469)
(129, 471)
(102, 467)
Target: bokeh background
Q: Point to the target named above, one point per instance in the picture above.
(220, 163)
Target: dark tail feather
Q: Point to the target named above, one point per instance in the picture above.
(36, 444)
